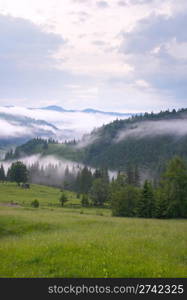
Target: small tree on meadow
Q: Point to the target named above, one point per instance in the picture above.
(35, 203)
(63, 199)
(18, 172)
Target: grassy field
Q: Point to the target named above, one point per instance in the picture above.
(51, 241)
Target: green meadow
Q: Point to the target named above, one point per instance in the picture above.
(71, 241)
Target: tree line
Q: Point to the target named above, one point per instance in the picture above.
(125, 194)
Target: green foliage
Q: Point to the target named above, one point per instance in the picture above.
(124, 201)
(146, 204)
(161, 205)
(133, 177)
(99, 192)
(2, 174)
(169, 200)
(85, 200)
(149, 152)
(69, 180)
(107, 150)
(63, 199)
(85, 180)
(35, 203)
(18, 172)
(173, 189)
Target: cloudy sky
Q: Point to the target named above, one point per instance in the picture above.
(128, 55)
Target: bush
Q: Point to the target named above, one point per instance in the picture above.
(35, 203)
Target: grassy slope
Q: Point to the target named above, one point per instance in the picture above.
(62, 242)
(47, 196)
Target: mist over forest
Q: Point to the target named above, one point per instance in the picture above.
(21, 124)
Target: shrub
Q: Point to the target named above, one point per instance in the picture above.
(35, 203)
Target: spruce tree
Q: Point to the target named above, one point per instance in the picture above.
(136, 176)
(146, 205)
(2, 174)
(85, 180)
(161, 205)
(173, 188)
(130, 175)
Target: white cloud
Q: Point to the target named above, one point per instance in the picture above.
(12, 130)
(71, 124)
(83, 71)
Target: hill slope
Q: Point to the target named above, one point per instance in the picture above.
(144, 140)
(147, 140)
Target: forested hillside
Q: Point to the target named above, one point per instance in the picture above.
(147, 141)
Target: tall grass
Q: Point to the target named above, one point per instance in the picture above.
(61, 242)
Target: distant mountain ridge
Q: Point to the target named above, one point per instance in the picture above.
(22, 120)
(87, 110)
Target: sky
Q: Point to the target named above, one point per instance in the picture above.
(126, 56)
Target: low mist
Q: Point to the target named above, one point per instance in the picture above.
(175, 127)
(49, 170)
(52, 168)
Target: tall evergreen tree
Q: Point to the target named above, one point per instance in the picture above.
(136, 176)
(97, 174)
(2, 174)
(85, 180)
(161, 205)
(173, 188)
(130, 175)
(146, 206)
